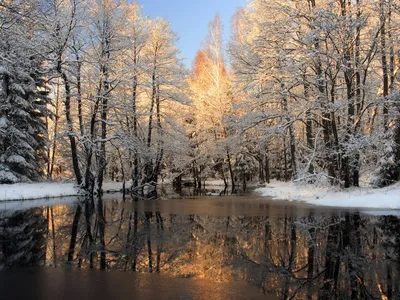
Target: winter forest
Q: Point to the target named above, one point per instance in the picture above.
(304, 91)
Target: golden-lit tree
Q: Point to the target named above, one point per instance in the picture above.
(212, 104)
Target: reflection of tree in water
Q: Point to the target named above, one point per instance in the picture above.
(23, 238)
(346, 256)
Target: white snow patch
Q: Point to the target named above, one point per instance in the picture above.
(3, 121)
(378, 213)
(16, 159)
(363, 197)
(24, 191)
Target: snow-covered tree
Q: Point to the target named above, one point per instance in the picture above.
(23, 99)
(212, 105)
(309, 74)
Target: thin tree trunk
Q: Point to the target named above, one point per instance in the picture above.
(358, 98)
(160, 144)
(104, 113)
(74, 150)
(385, 73)
(292, 140)
(153, 100)
(89, 184)
(309, 129)
(79, 95)
(149, 164)
(228, 155)
(57, 117)
(348, 76)
(392, 63)
(266, 167)
(135, 174)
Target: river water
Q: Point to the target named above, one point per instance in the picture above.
(196, 247)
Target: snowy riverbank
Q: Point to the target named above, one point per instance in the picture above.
(40, 190)
(363, 197)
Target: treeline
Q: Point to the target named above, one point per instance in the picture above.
(95, 89)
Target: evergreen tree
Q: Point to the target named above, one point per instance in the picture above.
(23, 105)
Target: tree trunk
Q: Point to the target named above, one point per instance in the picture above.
(135, 173)
(385, 77)
(326, 118)
(358, 98)
(309, 128)
(292, 139)
(89, 178)
(228, 155)
(67, 103)
(57, 117)
(266, 167)
(160, 144)
(149, 164)
(104, 105)
(385, 73)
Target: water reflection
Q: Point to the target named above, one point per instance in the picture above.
(23, 239)
(297, 253)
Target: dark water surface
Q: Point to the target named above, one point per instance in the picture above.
(229, 247)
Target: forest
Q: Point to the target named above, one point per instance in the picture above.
(303, 91)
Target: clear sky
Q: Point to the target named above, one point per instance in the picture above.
(190, 19)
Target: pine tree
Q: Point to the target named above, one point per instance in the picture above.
(23, 106)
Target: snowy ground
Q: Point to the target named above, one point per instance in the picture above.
(385, 198)
(24, 191)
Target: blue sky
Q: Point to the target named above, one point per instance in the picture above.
(190, 19)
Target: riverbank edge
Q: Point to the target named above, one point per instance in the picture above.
(48, 190)
(359, 197)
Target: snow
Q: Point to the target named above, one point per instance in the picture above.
(363, 197)
(24, 191)
(7, 176)
(378, 213)
(17, 159)
(3, 121)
